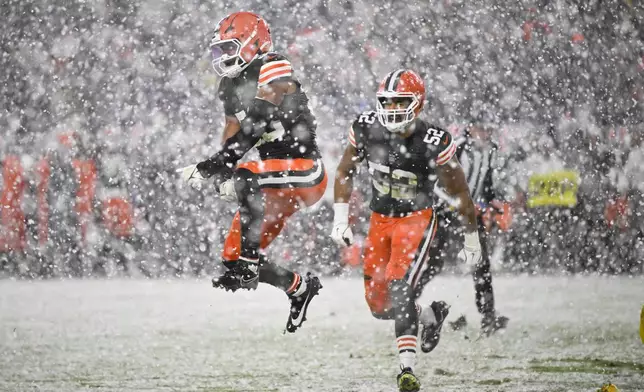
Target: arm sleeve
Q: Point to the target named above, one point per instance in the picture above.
(447, 148)
(352, 137)
(253, 127)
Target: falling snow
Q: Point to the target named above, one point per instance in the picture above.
(101, 101)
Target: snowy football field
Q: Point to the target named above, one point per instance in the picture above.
(565, 334)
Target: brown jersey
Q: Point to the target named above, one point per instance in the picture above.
(292, 133)
(402, 169)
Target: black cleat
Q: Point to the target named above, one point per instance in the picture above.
(492, 323)
(407, 381)
(238, 277)
(432, 333)
(300, 304)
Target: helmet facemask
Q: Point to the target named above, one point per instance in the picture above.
(396, 120)
(226, 57)
(239, 39)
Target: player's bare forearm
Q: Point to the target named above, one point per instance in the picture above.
(344, 175)
(467, 211)
(343, 187)
(230, 129)
(451, 175)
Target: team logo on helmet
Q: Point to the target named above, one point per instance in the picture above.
(239, 39)
(401, 97)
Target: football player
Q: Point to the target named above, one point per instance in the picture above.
(477, 154)
(405, 157)
(265, 107)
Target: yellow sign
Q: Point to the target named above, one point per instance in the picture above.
(555, 189)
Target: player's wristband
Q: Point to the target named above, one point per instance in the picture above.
(341, 213)
(472, 241)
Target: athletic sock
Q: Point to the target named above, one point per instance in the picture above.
(407, 350)
(297, 287)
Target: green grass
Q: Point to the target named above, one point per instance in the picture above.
(583, 365)
(607, 363)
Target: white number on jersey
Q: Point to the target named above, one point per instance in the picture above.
(367, 118)
(402, 184)
(433, 136)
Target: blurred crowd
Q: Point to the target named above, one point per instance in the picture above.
(101, 101)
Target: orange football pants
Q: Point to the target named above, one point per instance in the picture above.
(397, 248)
(287, 185)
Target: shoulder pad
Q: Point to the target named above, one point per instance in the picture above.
(436, 127)
(441, 142)
(361, 129)
(275, 67)
(366, 118)
(274, 56)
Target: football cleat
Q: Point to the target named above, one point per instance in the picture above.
(407, 381)
(490, 323)
(300, 304)
(238, 277)
(432, 333)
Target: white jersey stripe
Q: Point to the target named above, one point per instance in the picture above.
(421, 257)
(293, 179)
(446, 155)
(273, 71)
(352, 137)
(273, 64)
(264, 82)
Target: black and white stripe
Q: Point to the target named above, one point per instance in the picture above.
(293, 178)
(422, 253)
(391, 83)
(477, 166)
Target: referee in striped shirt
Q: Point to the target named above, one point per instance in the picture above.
(477, 154)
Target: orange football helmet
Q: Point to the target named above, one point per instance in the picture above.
(400, 86)
(239, 38)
